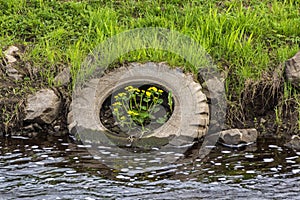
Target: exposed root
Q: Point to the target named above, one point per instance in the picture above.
(265, 105)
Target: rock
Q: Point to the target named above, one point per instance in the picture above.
(63, 78)
(218, 88)
(12, 72)
(294, 142)
(292, 70)
(10, 54)
(238, 136)
(42, 107)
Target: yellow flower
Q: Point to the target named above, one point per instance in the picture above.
(148, 94)
(132, 89)
(132, 113)
(160, 91)
(116, 110)
(122, 94)
(153, 89)
(129, 88)
(117, 103)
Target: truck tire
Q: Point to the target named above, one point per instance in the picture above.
(189, 119)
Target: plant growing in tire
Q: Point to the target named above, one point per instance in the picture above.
(188, 117)
(137, 110)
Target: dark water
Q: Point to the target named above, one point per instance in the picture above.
(60, 169)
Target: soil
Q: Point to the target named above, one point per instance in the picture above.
(13, 94)
(255, 108)
(258, 105)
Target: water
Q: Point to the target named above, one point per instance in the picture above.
(60, 169)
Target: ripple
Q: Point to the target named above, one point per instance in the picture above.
(268, 160)
(62, 170)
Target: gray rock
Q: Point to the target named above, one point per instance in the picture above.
(238, 136)
(10, 54)
(63, 78)
(217, 85)
(292, 70)
(294, 142)
(43, 107)
(12, 72)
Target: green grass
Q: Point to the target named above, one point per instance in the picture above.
(246, 39)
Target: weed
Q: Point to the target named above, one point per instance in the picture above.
(136, 108)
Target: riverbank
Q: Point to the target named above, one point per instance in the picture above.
(249, 42)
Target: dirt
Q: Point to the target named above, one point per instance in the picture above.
(255, 108)
(263, 105)
(13, 95)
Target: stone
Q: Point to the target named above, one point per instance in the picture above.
(10, 54)
(12, 72)
(42, 107)
(292, 70)
(218, 88)
(294, 143)
(63, 78)
(238, 136)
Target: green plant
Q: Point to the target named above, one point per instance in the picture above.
(135, 108)
(278, 115)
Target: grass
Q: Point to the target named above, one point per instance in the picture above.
(246, 39)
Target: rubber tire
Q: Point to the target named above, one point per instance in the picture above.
(190, 117)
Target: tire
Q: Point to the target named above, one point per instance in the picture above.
(190, 117)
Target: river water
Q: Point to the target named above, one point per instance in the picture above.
(53, 168)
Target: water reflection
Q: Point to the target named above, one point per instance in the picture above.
(54, 168)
